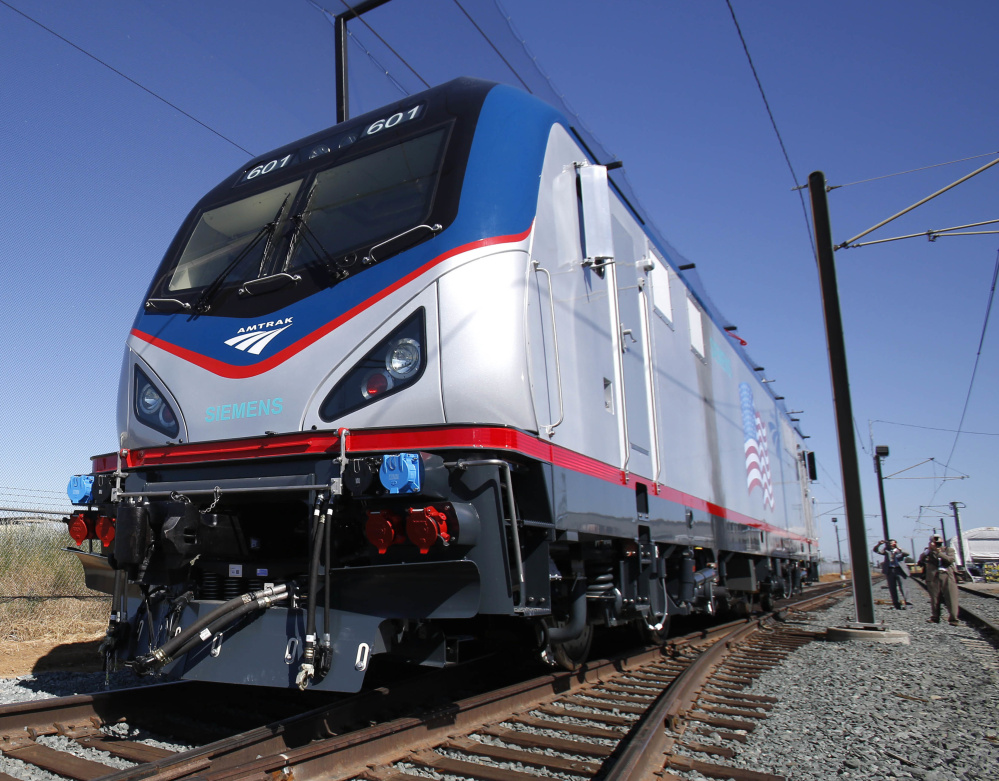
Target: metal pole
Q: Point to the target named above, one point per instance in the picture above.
(839, 553)
(881, 489)
(340, 53)
(862, 589)
(960, 540)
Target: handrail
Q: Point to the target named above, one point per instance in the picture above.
(550, 427)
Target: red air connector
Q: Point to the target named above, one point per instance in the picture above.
(383, 529)
(81, 528)
(105, 530)
(424, 525)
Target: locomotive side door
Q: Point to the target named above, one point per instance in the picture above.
(574, 372)
(633, 345)
(616, 251)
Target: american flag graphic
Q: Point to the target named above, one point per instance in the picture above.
(757, 456)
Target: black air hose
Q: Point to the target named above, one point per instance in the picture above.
(307, 670)
(190, 636)
(227, 620)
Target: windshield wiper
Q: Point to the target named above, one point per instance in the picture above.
(203, 304)
(255, 287)
(167, 305)
(370, 258)
(299, 220)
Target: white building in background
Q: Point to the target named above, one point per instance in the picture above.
(981, 545)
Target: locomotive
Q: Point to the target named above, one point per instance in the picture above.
(421, 381)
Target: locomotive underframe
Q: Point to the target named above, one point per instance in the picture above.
(548, 556)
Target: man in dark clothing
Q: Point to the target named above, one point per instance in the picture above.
(895, 570)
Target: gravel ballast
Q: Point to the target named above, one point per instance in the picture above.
(928, 710)
(852, 710)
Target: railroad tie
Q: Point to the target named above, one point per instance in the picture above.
(51, 760)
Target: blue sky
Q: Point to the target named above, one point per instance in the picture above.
(98, 174)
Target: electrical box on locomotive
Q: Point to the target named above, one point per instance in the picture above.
(423, 377)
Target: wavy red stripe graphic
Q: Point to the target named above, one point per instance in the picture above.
(233, 372)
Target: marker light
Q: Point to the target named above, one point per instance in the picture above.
(151, 408)
(376, 383)
(81, 528)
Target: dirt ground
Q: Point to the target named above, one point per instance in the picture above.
(27, 656)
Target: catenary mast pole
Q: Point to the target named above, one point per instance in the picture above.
(340, 54)
(960, 539)
(863, 592)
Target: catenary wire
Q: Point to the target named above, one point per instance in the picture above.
(934, 428)
(111, 68)
(493, 45)
(978, 356)
(773, 122)
(331, 17)
(974, 371)
(910, 171)
(581, 123)
(384, 43)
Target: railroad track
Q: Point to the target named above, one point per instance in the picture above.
(586, 723)
(978, 608)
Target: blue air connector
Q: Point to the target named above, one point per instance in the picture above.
(401, 474)
(81, 489)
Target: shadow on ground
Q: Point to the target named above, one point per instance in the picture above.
(80, 657)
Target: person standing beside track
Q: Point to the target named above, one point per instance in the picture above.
(895, 570)
(941, 578)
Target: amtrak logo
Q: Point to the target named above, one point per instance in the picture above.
(254, 338)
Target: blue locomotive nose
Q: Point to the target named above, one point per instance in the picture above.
(81, 489)
(400, 474)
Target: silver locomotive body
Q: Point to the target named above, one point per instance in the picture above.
(420, 378)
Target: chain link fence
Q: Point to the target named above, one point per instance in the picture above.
(42, 589)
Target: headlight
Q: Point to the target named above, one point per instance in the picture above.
(151, 408)
(403, 359)
(394, 364)
(150, 401)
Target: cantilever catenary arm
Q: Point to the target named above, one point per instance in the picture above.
(849, 242)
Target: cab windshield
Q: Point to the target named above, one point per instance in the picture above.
(372, 199)
(318, 230)
(237, 236)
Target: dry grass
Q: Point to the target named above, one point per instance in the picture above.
(65, 620)
(33, 570)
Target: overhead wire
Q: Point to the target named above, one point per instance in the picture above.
(127, 78)
(935, 428)
(910, 171)
(494, 47)
(978, 356)
(974, 372)
(362, 20)
(773, 122)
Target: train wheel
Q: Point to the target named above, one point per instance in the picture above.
(572, 653)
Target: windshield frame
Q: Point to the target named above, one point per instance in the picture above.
(440, 210)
